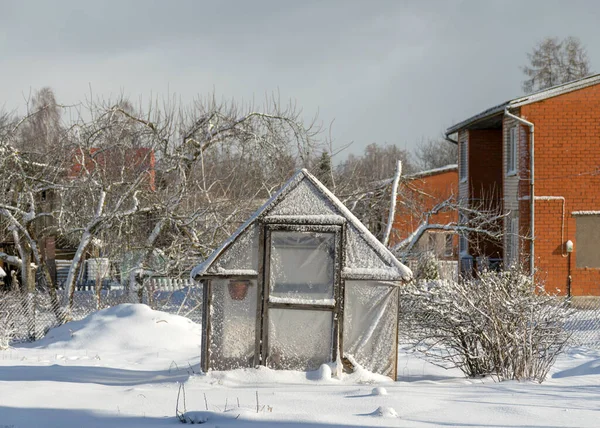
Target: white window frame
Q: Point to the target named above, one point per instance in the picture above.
(449, 245)
(463, 242)
(511, 151)
(431, 242)
(463, 160)
(512, 241)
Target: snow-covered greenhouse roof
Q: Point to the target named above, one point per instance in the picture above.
(305, 200)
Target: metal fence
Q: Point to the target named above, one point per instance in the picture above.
(584, 322)
(29, 316)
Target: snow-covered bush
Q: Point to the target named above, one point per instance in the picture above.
(427, 267)
(500, 324)
(7, 326)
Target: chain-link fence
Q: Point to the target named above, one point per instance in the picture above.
(584, 322)
(28, 316)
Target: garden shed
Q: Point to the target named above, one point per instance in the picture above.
(301, 283)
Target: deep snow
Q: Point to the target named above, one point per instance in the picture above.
(122, 367)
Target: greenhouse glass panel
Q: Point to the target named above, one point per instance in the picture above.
(302, 266)
(233, 324)
(370, 325)
(242, 256)
(299, 339)
(304, 199)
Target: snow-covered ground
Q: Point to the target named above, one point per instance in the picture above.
(122, 367)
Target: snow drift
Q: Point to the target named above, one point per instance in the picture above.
(131, 328)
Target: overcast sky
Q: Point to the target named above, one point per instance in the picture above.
(390, 72)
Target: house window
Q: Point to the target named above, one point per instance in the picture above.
(448, 246)
(463, 242)
(431, 243)
(587, 239)
(511, 151)
(463, 160)
(512, 240)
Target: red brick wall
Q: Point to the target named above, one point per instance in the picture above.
(420, 195)
(567, 164)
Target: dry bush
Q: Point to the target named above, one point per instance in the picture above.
(500, 324)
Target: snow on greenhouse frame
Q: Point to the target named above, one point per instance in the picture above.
(300, 284)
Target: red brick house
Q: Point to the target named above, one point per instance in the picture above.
(116, 163)
(418, 195)
(127, 163)
(538, 159)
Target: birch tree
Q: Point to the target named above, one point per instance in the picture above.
(553, 62)
(364, 184)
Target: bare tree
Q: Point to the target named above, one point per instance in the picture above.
(435, 153)
(364, 183)
(28, 173)
(553, 62)
(197, 171)
(127, 184)
(29, 164)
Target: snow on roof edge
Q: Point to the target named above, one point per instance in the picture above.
(441, 169)
(587, 212)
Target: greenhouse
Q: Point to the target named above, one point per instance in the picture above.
(300, 284)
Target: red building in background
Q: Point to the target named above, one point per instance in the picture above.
(537, 158)
(127, 164)
(418, 195)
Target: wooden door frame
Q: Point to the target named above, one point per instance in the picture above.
(262, 322)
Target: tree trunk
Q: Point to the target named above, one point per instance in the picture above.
(51, 286)
(75, 267)
(392, 213)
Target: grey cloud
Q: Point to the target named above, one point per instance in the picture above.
(386, 71)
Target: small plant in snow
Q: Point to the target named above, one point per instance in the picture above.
(427, 267)
(501, 324)
(7, 330)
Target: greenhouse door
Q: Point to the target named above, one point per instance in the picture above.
(301, 296)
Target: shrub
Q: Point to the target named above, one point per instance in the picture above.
(427, 267)
(500, 324)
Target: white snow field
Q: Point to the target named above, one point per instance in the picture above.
(122, 367)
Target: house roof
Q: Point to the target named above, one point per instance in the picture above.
(434, 171)
(420, 174)
(527, 99)
(394, 270)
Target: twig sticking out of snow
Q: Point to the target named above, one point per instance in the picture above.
(181, 415)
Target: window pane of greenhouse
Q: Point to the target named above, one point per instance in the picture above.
(233, 324)
(299, 339)
(302, 265)
(370, 325)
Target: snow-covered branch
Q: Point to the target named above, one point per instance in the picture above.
(482, 221)
(13, 260)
